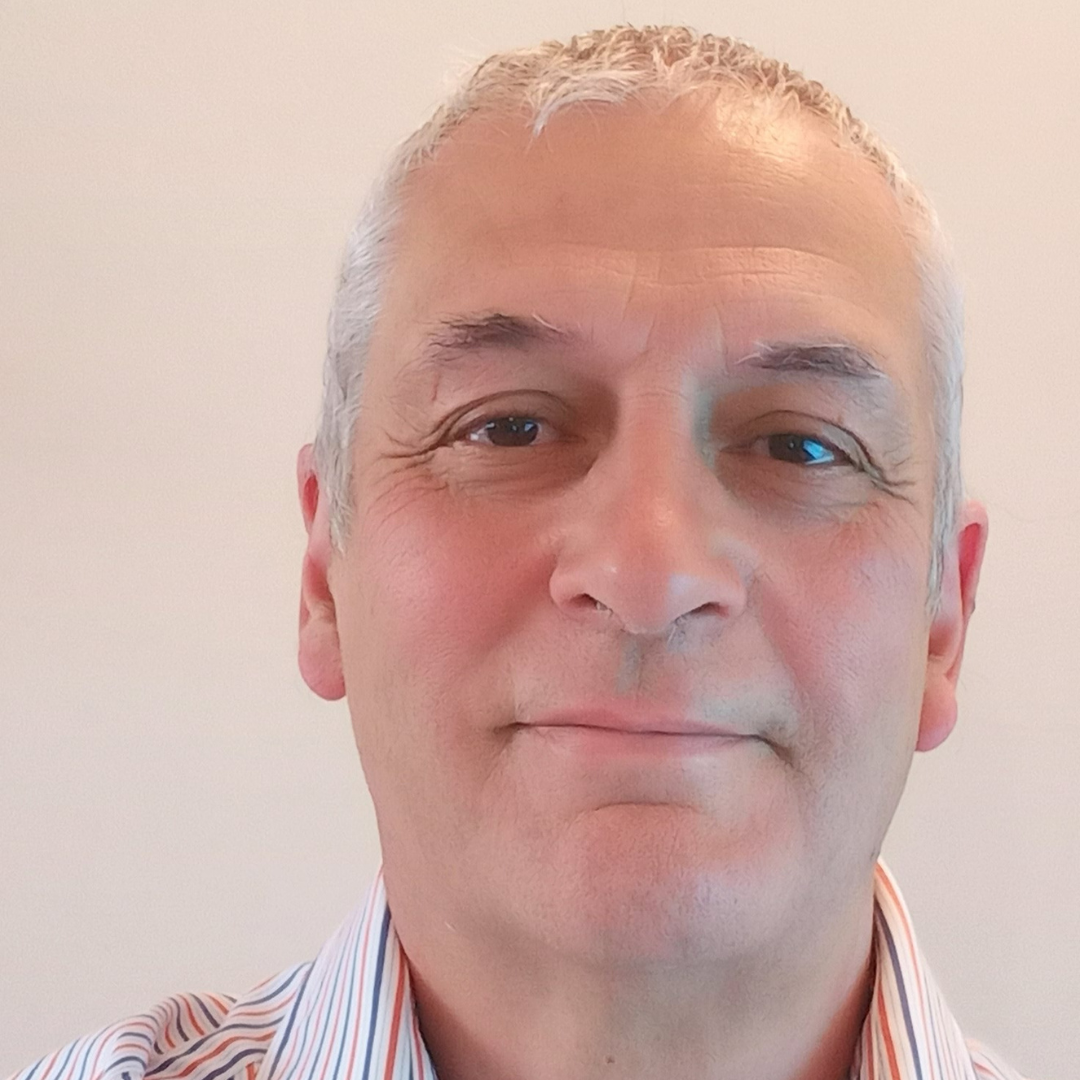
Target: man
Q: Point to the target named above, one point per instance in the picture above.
(637, 546)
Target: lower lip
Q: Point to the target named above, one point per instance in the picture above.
(609, 741)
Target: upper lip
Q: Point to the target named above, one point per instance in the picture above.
(632, 718)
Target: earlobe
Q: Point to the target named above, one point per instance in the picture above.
(319, 657)
(319, 646)
(948, 629)
(939, 713)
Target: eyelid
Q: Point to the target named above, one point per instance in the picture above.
(777, 422)
(843, 457)
(787, 422)
(461, 433)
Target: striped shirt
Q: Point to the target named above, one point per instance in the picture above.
(349, 1015)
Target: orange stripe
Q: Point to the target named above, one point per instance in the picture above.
(359, 997)
(219, 1049)
(276, 1006)
(52, 1060)
(886, 885)
(97, 1057)
(416, 1045)
(886, 1036)
(395, 1022)
(218, 1003)
(342, 1005)
(868, 1053)
(139, 1021)
(292, 1048)
(285, 1066)
(909, 936)
(916, 968)
(191, 1017)
(368, 920)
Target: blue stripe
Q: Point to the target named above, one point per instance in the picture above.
(71, 1050)
(375, 992)
(934, 1034)
(354, 952)
(292, 1019)
(275, 992)
(903, 998)
(33, 1069)
(322, 1018)
(214, 1021)
(113, 1062)
(179, 1010)
(195, 1046)
(84, 1065)
(232, 1063)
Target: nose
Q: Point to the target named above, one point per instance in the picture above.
(651, 540)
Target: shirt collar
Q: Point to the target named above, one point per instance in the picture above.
(909, 1032)
(354, 1015)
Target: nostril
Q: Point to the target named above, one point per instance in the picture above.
(592, 604)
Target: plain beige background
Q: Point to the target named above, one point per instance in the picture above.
(178, 811)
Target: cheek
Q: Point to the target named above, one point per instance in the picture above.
(845, 614)
(446, 582)
(437, 589)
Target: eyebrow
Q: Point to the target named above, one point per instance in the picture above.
(451, 339)
(836, 360)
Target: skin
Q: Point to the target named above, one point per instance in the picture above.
(569, 912)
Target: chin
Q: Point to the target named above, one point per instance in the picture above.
(641, 883)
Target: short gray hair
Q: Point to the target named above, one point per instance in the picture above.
(616, 65)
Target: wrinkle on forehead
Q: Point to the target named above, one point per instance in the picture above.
(591, 166)
(642, 222)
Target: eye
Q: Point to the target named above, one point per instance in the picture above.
(516, 431)
(795, 449)
(503, 431)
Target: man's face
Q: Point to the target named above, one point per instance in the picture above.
(603, 458)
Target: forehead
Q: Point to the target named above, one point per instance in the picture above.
(646, 225)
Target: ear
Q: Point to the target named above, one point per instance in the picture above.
(945, 650)
(320, 649)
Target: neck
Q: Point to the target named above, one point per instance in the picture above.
(797, 1014)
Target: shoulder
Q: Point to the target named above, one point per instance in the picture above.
(180, 1036)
